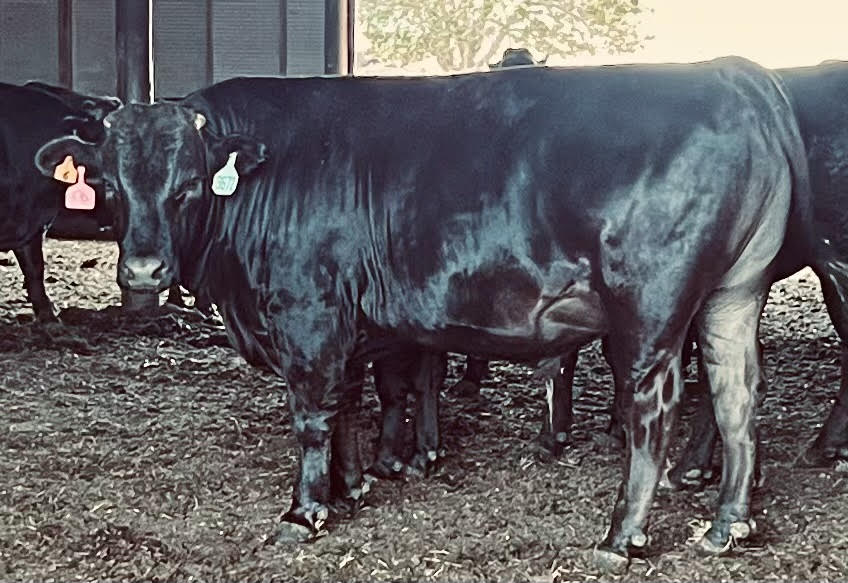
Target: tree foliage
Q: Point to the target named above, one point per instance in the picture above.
(464, 34)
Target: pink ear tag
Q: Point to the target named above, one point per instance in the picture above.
(79, 196)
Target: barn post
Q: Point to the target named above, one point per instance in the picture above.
(132, 42)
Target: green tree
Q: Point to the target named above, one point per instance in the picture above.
(464, 34)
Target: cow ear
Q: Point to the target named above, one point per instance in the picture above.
(54, 153)
(251, 153)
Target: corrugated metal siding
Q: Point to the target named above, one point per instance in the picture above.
(94, 46)
(245, 38)
(180, 46)
(305, 37)
(29, 41)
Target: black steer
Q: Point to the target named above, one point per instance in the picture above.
(516, 215)
(819, 96)
(29, 202)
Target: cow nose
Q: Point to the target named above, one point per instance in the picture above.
(143, 274)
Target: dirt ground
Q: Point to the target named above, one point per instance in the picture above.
(148, 450)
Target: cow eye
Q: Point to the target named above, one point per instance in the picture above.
(110, 190)
(189, 189)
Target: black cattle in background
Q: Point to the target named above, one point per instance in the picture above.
(516, 58)
(503, 215)
(819, 96)
(29, 202)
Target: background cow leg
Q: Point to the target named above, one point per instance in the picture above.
(31, 260)
(831, 444)
(730, 355)
(175, 296)
(391, 379)
(695, 467)
(614, 437)
(556, 428)
(347, 485)
(429, 378)
(476, 370)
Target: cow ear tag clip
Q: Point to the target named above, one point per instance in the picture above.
(66, 171)
(226, 179)
(79, 196)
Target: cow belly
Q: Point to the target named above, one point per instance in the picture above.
(521, 326)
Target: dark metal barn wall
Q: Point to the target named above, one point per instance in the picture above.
(305, 37)
(181, 38)
(29, 38)
(195, 42)
(93, 42)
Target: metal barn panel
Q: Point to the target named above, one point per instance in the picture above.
(94, 46)
(305, 37)
(180, 46)
(29, 41)
(245, 38)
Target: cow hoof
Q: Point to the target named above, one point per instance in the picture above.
(352, 501)
(466, 389)
(823, 457)
(551, 445)
(50, 316)
(708, 547)
(387, 468)
(422, 464)
(608, 441)
(713, 543)
(293, 532)
(683, 478)
(610, 561)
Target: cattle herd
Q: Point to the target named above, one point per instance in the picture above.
(515, 214)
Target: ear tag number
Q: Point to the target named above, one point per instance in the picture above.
(80, 196)
(226, 179)
(66, 171)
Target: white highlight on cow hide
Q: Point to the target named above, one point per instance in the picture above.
(549, 396)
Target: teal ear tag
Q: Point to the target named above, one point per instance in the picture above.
(226, 179)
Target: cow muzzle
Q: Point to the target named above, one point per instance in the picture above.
(144, 274)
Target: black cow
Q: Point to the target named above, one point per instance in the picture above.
(819, 96)
(516, 215)
(516, 58)
(29, 202)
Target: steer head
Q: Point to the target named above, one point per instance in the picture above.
(155, 163)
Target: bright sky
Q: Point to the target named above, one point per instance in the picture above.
(774, 33)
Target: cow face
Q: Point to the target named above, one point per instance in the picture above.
(155, 162)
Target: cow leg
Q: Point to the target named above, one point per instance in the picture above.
(175, 296)
(652, 382)
(315, 395)
(475, 371)
(392, 384)
(557, 425)
(429, 378)
(695, 467)
(31, 259)
(730, 355)
(346, 480)
(831, 444)
(615, 429)
(614, 437)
